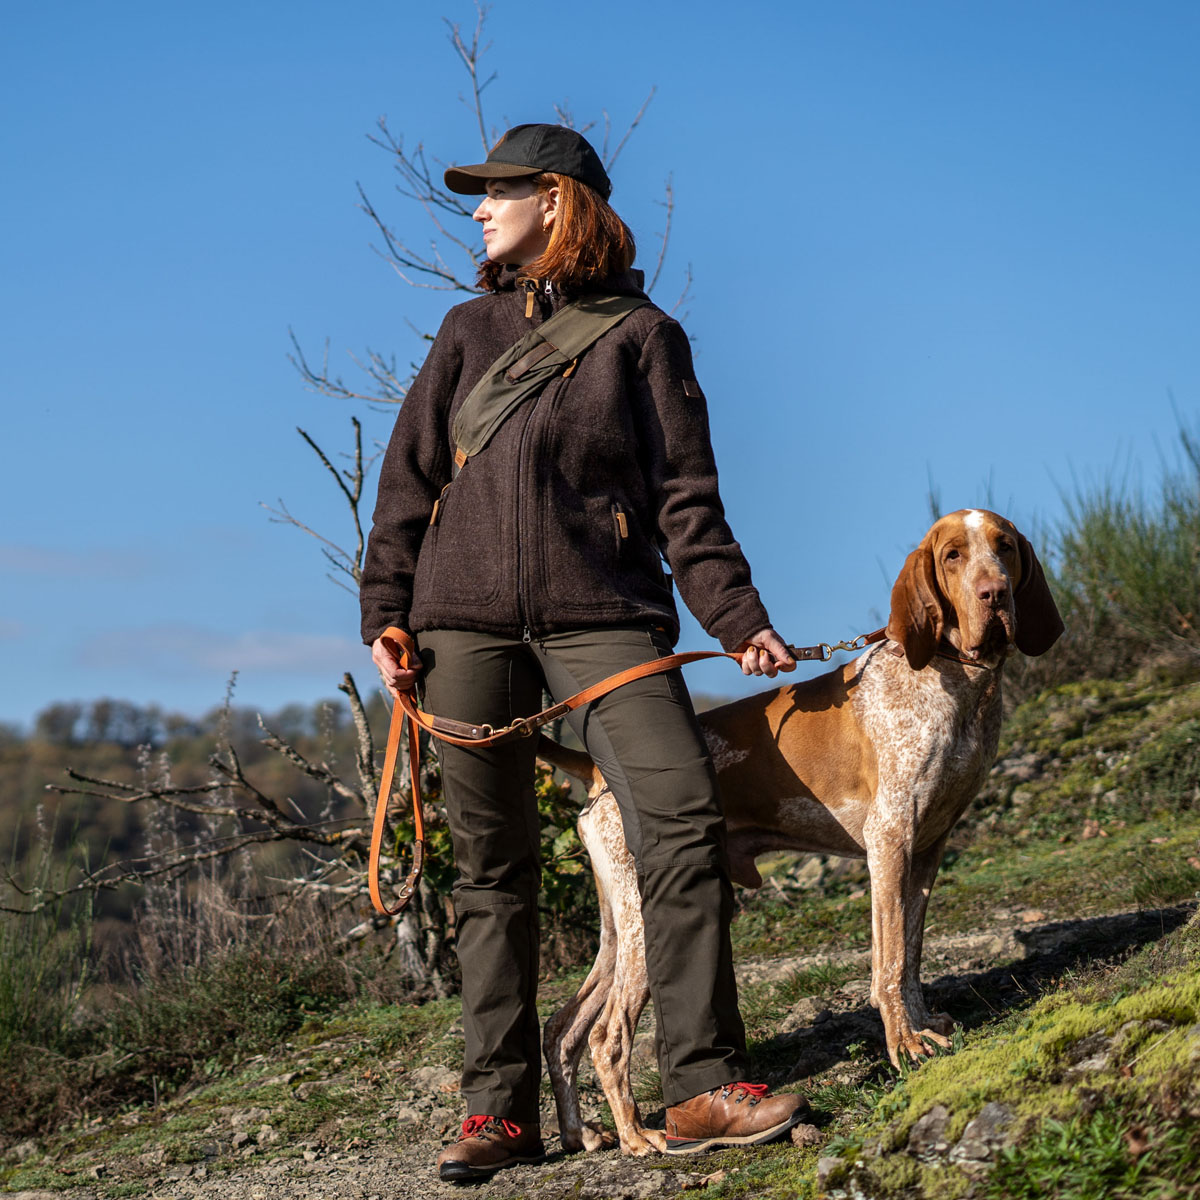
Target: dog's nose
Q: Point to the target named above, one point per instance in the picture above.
(993, 591)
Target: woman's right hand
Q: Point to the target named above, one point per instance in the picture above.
(396, 678)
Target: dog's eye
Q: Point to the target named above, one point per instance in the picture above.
(1004, 546)
(951, 554)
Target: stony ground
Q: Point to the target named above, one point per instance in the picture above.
(240, 1155)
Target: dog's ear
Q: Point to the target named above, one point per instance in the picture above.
(916, 620)
(1039, 625)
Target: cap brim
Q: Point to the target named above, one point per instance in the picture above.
(472, 180)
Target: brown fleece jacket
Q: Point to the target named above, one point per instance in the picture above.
(558, 524)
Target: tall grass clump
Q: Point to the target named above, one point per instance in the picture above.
(1124, 566)
(210, 972)
(44, 959)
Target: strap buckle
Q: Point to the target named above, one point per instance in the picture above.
(521, 727)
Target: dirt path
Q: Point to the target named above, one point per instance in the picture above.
(249, 1161)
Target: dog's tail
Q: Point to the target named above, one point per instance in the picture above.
(576, 763)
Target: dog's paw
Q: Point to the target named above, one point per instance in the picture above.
(572, 1140)
(912, 1048)
(595, 1137)
(942, 1023)
(917, 1047)
(638, 1143)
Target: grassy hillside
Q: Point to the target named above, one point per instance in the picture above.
(1060, 937)
(249, 1047)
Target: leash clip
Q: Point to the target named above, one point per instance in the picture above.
(827, 649)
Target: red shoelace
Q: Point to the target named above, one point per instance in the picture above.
(756, 1091)
(473, 1126)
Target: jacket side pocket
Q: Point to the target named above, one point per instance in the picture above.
(621, 527)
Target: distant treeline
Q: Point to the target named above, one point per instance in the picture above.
(123, 723)
(127, 742)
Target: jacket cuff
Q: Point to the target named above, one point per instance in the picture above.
(739, 620)
(373, 626)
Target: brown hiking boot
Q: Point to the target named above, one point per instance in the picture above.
(487, 1144)
(738, 1114)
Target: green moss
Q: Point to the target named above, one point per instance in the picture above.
(1022, 1061)
(943, 1183)
(896, 1173)
(768, 1171)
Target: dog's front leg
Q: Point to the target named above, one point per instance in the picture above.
(895, 985)
(925, 864)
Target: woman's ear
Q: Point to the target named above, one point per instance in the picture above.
(549, 208)
(916, 620)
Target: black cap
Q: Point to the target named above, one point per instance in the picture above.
(529, 150)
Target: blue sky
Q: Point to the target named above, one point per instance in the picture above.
(930, 241)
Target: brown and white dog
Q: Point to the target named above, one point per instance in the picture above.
(877, 758)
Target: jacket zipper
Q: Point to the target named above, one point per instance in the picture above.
(522, 611)
(522, 606)
(545, 402)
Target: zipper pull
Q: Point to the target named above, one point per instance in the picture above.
(549, 288)
(530, 288)
(528, 636)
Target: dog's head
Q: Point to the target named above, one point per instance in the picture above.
(975, 581)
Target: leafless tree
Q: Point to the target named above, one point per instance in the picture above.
(446, 261)
(200, 828)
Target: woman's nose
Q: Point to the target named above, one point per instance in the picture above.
(479, 214)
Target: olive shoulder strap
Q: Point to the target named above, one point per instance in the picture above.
(524, 369)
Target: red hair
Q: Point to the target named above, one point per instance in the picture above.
(588, 241)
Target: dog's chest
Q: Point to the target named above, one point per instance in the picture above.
(934, 732)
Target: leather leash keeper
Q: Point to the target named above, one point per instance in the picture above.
(461, 733)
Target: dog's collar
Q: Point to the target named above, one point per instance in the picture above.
(947, 649)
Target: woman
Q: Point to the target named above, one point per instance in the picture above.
(538, 562)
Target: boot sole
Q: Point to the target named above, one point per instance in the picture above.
(682, 1146)
(460, 1172)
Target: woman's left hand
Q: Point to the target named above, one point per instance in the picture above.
(767, 654)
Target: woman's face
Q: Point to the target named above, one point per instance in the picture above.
(516, 220)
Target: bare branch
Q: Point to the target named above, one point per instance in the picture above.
(353, 492)
(470, 56)
(610, 160)
(365, 749)
(669, 205)
(683, 295)
(133, 871)
(403, 259)
(391, 390)
(281, 516)
(318, 771)
(350, 484)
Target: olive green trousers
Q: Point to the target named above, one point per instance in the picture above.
(647, 741)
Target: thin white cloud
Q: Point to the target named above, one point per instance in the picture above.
(194, 649)
(109, 563)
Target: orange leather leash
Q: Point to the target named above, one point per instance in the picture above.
(409, 887)
(462, 733)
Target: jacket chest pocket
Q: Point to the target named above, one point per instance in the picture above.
(436, 515)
